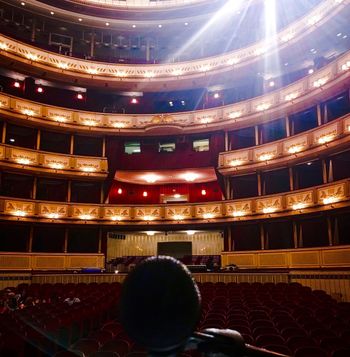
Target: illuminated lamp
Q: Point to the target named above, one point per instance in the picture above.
(53, 215)
(40, 90)
(116, 218)
(190, 233)
(238, 213)
(150, 233)
(189, 176)
(178, 217)
(134, 101)
(208, 215)
(151, 178)
(330, 199)
(145, 194)
(120, 191)
(216, 95)
(299, 205)
(80, 96)
(16, 84)
(85, 216)
(269, 210)
(203, 192)
(20, 213)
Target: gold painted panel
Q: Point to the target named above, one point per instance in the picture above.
(305, 259)
(117, 213)
(279, 260)
(10, 261)
(340, 257)
(178, 212)
(48, 262)
(28, 108)
(19, 208)
(22, 156)
(53, 210)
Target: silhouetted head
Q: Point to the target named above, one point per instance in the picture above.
(160, 304)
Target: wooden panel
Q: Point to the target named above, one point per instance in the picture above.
(273, 260)
(50, 262)
(13, 262)
(305, 259)
(244, 260)
(336, 257)
(81, 261)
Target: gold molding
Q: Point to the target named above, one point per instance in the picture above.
(319, 198)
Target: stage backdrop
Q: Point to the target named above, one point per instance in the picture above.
(210, 243)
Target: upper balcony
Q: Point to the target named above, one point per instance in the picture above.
(318, 86)
(186, 74)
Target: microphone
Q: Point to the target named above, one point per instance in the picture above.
(160, 304)
(160, 308)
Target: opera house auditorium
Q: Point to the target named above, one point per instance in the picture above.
(214, 132)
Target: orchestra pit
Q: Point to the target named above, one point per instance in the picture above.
(214, 132)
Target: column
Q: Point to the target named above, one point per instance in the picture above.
(330, 171)
(71, 146)
(38, 139)
(69, 190)
(33, 33)
(336, 232)
(300, 243)
(291, 178)
(329, 231)
(229, 238)
(92, 45)
(256, 131)
(148, 50)
(325, 115)
(259, 184)
(99, 239)
(65, 244)
(30, 241)
(226, 141)
(319, 114)
(35, 182)
(104, 146)
(262, 236)
(295, 234)
(4, 127)
(324, 171)
(287, 124)
(227, 188)
(102, 193)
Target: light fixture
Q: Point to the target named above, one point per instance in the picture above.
(234, 115)
(295, 148)
(32, 56)
(151, 178)
(269, 210)
(80, 19)
(62, 65)
(16, 84)
(23, 161)
(323, 139)
(144, 193)
(151, 233)
(216, 95)
(52, 13)
(116, 218)
(263, 106)
(134, 101)
(183, 103)
(290, 96)
(190, 232)
(40, 90)
(203, 192)
(186, 23)
(120, 191)
(55, 165)
(59, 118)
(23, 3)
(3, 46)
(236, 162)
(160, 26)
(330, 199)
(178, 217)
(28, 112)
(238, 213)
(171, 104)
(88, 168)
(310, 71)
(208, 215)
(177, 195)
(89, 122)
(298, 206)
(11, 140)
(107, 23)
(53, 215)
(80, 96)
(271, 84)
(190, 176)
(133, 26)
(85, 216)
(148, 218)
(20, 213)
(265, 157)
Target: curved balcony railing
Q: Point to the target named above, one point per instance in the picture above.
(127, 4)
(325, 197)
(289, 150)
(177, 71)
(53, 163)
(329, 80)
